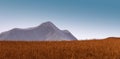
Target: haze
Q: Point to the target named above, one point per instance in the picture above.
(85, 19)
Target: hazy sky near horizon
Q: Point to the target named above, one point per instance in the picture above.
(85, 19)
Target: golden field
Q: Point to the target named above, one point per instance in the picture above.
(87, 49)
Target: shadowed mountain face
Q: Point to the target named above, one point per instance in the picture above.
(45, 32)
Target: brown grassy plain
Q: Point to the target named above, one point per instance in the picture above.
(87, 49)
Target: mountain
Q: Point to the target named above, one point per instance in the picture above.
(45, 32)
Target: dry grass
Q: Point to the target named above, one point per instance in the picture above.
(89, 49)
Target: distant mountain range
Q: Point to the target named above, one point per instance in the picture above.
(45, 32)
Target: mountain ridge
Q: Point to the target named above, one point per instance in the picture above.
(45, 31)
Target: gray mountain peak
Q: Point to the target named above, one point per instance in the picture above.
(47, 31)
(48, 25)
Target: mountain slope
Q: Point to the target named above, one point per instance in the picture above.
(45, 32)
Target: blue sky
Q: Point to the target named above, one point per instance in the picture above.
(86, 19)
